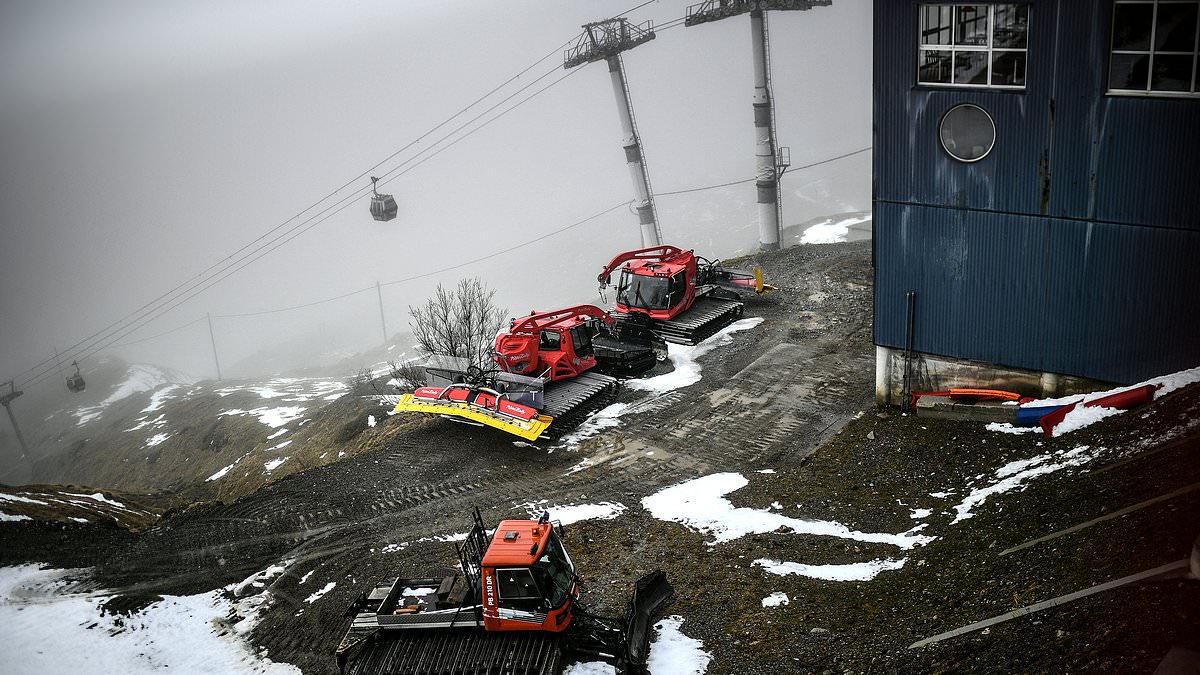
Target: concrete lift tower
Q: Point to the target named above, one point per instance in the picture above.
(606, 40)
(771, 160)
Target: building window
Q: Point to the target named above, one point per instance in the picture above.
(967, 132)
(1154, 47)
(973, 45)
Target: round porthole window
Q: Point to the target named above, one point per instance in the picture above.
(967, 132)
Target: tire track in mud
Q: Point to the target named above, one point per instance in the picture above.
(762, 399)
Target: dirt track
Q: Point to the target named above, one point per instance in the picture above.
(767, 400)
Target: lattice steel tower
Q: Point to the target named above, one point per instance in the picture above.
(771, 160)
(605, 40)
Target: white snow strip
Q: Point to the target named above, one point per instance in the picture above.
(673, 653)
(283, 444)
(590, 668)
(275, 463)
(831, 231)
(277, 434)
(417, 592)
(306, 576)
(272, 417)
(179, 634)
(159, 397)
(1082, 416)
(1014, 475)
(156, 439)
(700, 505)
(10, 518)
(317, 595)
(765, 471)
(602, 419)
(98, 496)
(917, 514)
(940, 495)
(573, 513)
(865, 571)
(19, 498)
(776, 599)
(684, 359)
(1006, 428)
(220, 474)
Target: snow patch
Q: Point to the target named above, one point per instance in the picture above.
(220, 474)
(10, 518)
(1014, 475)
(831, 231)
(673, 653)
(602, 419)
(1082, 416)
(700, 505)
(275, 463)
(1006, 428)
(371, 421)
(573, 513)
(177, 634)
(272, 417)
(851, 572)
(19, 498)
(317, 595)
(765, 471)
(590, 668)
(277, 434)
(684, 359)
(776, 599)
(160, 397)
(156, 439)
(917, 514)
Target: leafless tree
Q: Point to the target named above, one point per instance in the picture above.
(462, 322)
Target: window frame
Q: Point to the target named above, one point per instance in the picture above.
(1150, 52)
(988, 49)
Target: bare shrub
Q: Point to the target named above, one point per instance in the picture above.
(408, 375)
(360, 383)
(462, 322)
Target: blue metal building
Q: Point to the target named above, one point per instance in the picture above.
(1052, 224)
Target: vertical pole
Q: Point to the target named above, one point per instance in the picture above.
(212, 338)
(382, 320)
(644, 204)
(16, 429)
(911, 299)
(764, 148)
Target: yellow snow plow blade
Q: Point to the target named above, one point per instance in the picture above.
(529, 430)
(760, 287)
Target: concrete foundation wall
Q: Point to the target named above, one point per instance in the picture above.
(929, 372)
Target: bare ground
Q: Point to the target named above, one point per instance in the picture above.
(768, 400)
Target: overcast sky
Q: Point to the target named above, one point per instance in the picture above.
(143, 141)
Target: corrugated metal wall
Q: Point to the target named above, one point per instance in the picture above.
(1074, 247)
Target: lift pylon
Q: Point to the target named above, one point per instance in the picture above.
(770, 159)
(605, 40)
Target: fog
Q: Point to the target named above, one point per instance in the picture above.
(142, 142)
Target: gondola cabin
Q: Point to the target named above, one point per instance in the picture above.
(383, 207)
(75, 382)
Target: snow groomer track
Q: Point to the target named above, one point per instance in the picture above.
(769, 396)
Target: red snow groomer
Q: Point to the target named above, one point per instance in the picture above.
(677, 295)
(550, 366)
(512, 607)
